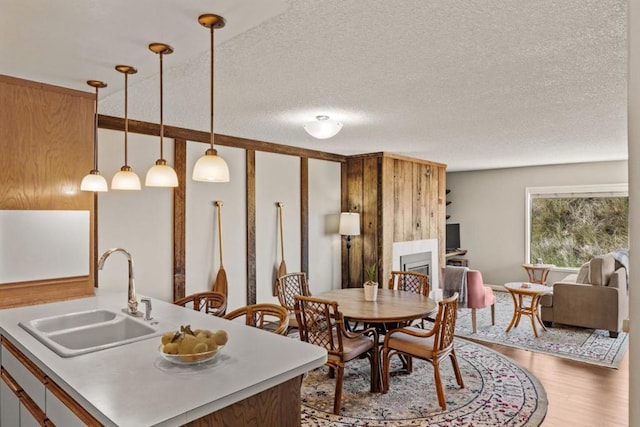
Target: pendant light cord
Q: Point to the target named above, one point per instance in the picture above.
(161, 109)
(212, 80)
(95, 133)
(126, 117)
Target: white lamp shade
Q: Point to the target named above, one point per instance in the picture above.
(211, 168)
(125, 180)
(161, 176)
(323, 127)
(349, 224)
(94, 182)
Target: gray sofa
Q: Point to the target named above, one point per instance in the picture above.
(596, 297)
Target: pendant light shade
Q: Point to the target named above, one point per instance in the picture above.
(94, 181)
(126, 179)
(323, 127)
(211, 167)
(161, 175)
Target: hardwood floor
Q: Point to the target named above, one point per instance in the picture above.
(579, 394)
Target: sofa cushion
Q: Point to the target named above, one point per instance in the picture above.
(600, 268)
(583, 274)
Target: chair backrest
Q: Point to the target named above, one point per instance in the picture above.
(270, 317)
(409, 281)
(210, 302)
(445, 324)
(320, 323)
(290, 285)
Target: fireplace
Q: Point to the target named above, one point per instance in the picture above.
(418, 262)
(418, 248)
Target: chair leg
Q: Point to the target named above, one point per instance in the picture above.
(474, 324)
(493, 314)
(438, 381)
(456, 368)
(337, 399)
(385, 370)
(375, 369)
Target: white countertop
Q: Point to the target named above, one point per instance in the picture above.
(131, 385)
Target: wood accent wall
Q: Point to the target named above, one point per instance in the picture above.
(46, 141)
(399, 199)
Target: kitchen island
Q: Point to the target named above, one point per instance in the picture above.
(255, 380)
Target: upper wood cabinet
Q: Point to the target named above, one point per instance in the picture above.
(399, 199)
(46, 141)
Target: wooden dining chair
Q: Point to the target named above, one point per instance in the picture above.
(322, 324)
(270, 317)
(287, 287)
(433, 346)
(210, 302)
(410, 281)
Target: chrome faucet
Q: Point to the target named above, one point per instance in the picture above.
(132, 303)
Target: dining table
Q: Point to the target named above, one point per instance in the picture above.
(391, 305)
(392, 308)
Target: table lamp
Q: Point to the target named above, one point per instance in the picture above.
(349, 226)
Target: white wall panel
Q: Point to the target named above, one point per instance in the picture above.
(324, 216)
(202, 252)
(277, 180)
(139, 221)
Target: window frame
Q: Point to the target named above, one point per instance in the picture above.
(599, 190)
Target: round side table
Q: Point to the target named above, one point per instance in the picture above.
(520, 290)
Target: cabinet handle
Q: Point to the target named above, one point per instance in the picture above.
(10, 382)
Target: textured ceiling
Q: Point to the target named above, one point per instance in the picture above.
(473, 84)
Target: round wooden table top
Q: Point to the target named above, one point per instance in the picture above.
(390, 306)
(528, 288)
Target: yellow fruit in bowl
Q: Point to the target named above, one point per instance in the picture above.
(211, 343)
(170, 348)
(200, 347)
(167, 337)
(186, 344)
(221, 337)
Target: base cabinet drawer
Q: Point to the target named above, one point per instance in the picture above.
(9, 405)
(16, 408)
(30, 398)
(24, 372)
(62, 410)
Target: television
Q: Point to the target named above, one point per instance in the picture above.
(452, 239)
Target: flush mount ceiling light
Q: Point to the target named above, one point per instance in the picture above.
(161, 174)
(94, 181)
(211, 167)
(126, 179)
(323, 127)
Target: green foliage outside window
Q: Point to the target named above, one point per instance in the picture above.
(568, 232)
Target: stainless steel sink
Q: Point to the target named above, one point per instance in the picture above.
(83, 332)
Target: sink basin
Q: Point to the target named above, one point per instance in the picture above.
(72, 334)
(72, 320)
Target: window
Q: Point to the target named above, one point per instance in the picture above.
(567, 226)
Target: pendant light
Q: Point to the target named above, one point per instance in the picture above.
(126, 179)
(161, 174)
(94, 181)
(323, 127)
(211, 167)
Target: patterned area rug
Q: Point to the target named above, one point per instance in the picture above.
(497, 392)
(586, 345)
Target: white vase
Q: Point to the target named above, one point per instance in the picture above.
(370, 291)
